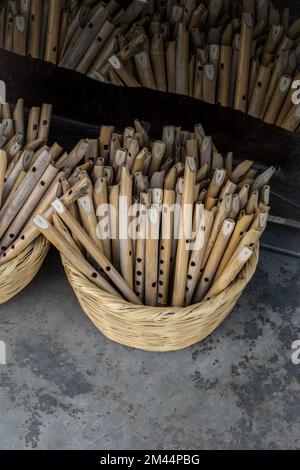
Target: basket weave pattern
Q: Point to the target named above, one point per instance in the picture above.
(153, 328)
(18, 273)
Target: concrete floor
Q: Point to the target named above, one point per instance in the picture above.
(65, 386)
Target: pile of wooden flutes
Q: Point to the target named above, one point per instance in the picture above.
(30, 175)
(242, 54)
(164, 222)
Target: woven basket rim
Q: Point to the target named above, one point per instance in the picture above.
(120, 304)
(17, 273)
(156, 329)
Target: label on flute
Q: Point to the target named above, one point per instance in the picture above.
(20, 23)
(115, 62)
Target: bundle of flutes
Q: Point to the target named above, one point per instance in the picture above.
(243, 54)
(31, 175)
(163, 222)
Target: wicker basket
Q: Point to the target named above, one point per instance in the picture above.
(156, 329)
(18, 273)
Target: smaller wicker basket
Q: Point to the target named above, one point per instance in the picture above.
(156, 329)
(19, 272)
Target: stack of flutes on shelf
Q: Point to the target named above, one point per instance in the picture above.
(162, 222)
(240, 54)
(30, 175)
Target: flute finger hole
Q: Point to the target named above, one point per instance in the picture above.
(206, 279)
(154, 284)
(139, 260)
(193, 264)
(138, 273)
(94, 275)
(108, 268)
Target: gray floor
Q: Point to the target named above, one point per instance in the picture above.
(65, 386)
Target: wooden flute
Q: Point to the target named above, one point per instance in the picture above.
(182, 258)
(73, 256)
(31, 232)
(94, 251)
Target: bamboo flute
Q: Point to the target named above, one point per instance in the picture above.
(31, 232)
(125, 199)
(33, 124)
(216, 254)
(277, 100)
(21, 28)
(224, 75)
(152, 248)
(63, 31)
(140, 249)
(114, 224)
(100, 195)
(9, 31)
(73, 256)
(43, 31)
(22, 164)
(88, 219)
(182, 257)
(214, 10)
(241, 96)
(157, 54)
(3, 167)
(23, 191)
(157, 152)
(234, 68)
(259, 93)
(45, 119)
(144, 69)
(230, 273)
(18, 116)
(206, 152)
(197, 254)
(221, 214)
(209, 83)
(108, 50)
(93, 250)
(167, 230)
(240, 229)
(95, 47)
(240, 171)
(182, 49)
(32, 201)
(75, 52)
(76, 154)
(171, 65)
(2, 24)
(53, 30)
(278, 70)
(216, 184)
(132, 11)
